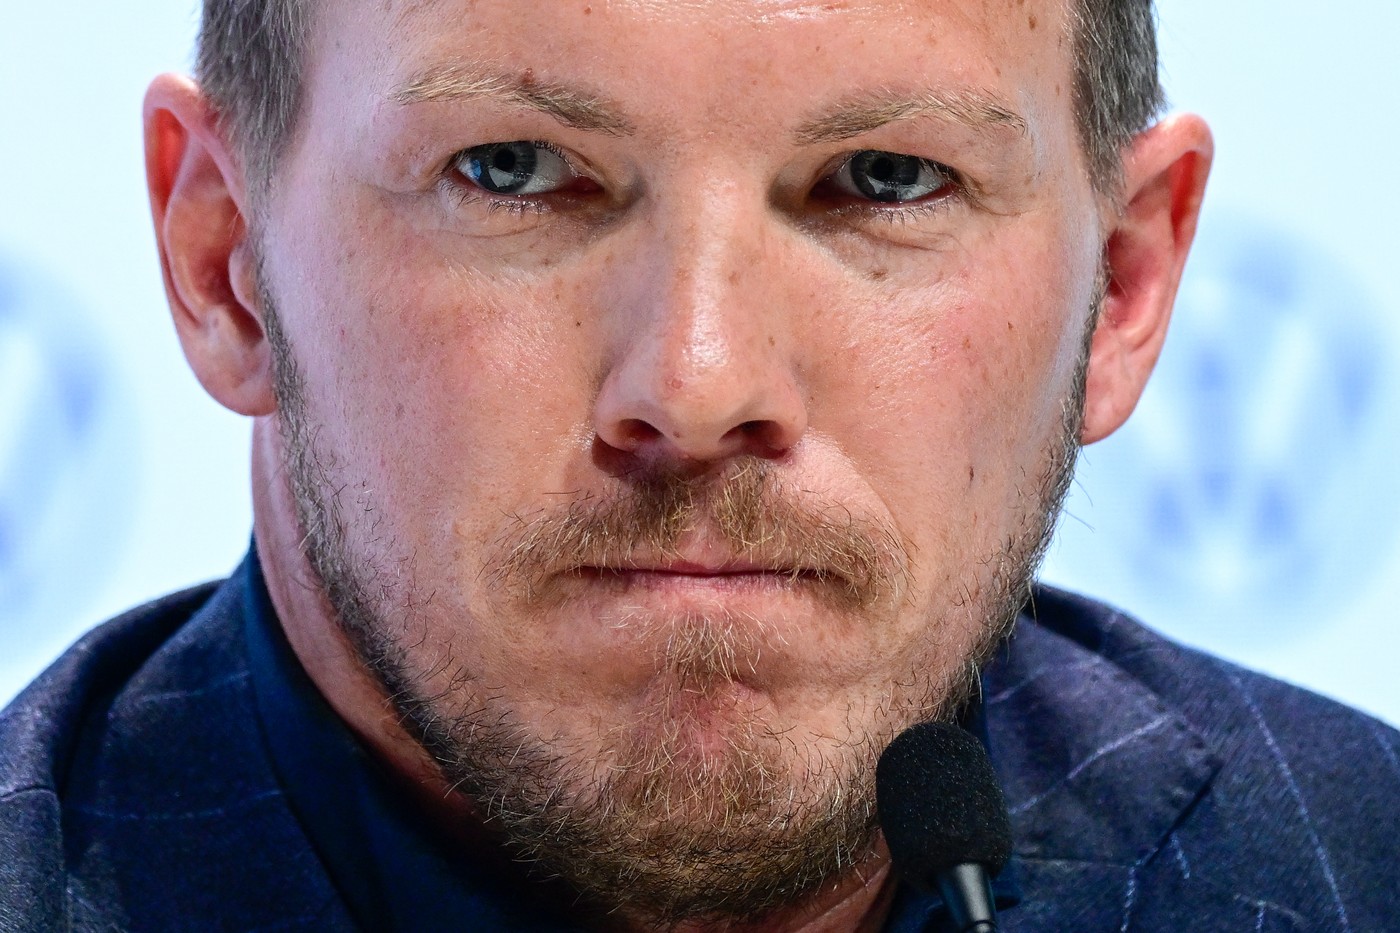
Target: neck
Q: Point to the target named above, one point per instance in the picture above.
(858, 902)
(322, 648)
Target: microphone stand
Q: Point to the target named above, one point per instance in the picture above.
(967, 893)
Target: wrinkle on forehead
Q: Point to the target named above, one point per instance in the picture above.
(762, 11)
(995, 20)
(404, 10)
(753, 11)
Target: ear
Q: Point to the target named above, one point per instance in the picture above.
(1165, 173)
(199, 205)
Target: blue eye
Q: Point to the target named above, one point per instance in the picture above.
(515, 168)
(891, 178)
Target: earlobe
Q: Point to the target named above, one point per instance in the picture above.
(198, 203)
(1165, 172)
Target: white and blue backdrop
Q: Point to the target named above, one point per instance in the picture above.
(1250, 507)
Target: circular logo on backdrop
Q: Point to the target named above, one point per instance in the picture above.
(64, 460)
(1255, 485)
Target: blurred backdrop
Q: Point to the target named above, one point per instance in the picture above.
(1249, 508)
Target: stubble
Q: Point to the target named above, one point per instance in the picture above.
(665, 833)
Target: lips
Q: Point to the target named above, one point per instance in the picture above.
(683, 573)
(701, 568)
(717, 543)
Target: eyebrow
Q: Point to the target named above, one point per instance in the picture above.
(570, 106)
(586, 111)
(970, 107)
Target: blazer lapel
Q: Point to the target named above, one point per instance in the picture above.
(1097, 770)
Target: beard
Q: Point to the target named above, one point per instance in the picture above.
(664, 830)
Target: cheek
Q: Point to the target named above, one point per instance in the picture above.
(431, 384)
(958, 390)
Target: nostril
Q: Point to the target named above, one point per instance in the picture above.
(759, 436)
(755, 432)
(635, 432)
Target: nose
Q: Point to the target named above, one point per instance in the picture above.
(704, 367)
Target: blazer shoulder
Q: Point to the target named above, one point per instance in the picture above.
(40, 734)
(39, 737)
(1219, 697)
(39, 728)
(1301, 812)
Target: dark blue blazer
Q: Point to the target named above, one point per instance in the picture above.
(1152, 788)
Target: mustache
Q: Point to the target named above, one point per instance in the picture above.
(745, 508)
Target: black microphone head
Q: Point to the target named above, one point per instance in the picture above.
(940, 804)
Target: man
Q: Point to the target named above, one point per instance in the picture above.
(657, 408)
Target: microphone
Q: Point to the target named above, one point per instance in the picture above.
(944, 819)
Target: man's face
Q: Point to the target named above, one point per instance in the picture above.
(675, 394)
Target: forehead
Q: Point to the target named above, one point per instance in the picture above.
(714, 60)
(995, 20)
